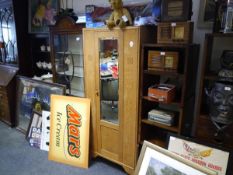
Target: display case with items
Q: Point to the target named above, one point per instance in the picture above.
(40, 54)
(167, 96)
(215, 98)
(66, 43)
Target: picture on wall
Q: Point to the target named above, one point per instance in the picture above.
(33, 96)
(157, 160)
(42, 14)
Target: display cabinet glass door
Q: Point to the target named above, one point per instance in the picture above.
(108, 69)
(69, 63)
(8, 44)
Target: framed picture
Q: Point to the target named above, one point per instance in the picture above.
(69, 130)
(206, 14)
(156, 160)
(206, 156)
(33, 96)
(42, 14)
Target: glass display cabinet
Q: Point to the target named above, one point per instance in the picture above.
(66, 43)
(111, 61)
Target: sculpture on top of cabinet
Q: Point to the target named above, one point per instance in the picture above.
(120, 16)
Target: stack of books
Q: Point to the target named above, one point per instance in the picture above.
(160, 116)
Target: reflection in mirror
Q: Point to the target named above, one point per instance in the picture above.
(8, 43)
(109, 83)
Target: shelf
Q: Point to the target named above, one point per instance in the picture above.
(154, 100)
(157, 141)
(163, 126)
(205, 116)
(220, 35)
(172, 45)
(70, 53)
(44, 52)
(75, 93)
(69, 73)
(211, 76)
(168, 73)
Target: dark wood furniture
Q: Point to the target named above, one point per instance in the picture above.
(7, 94)
(66, 43)
(204, 129)
(184, 78)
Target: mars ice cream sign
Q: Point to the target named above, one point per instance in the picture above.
(73, 131)
(69, 137)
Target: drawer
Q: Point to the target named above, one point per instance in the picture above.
(3, 99)
(3, 92)
(4, 112)
(2, 89)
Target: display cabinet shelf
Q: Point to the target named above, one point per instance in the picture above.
(159, 142)
(168, 73)
(69, 53)
(175, 102)
(39, 54)
(163, 126)
(66, 42)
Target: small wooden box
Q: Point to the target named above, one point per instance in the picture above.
(176, 10)
(175, 32)
(160, 60)
(162, 92)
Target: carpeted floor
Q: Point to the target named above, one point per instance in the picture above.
(18, 158)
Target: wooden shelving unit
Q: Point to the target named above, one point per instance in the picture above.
(183, 104)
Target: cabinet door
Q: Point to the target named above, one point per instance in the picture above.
(68, 62)
(109, 78)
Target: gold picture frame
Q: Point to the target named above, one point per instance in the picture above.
(154, 159)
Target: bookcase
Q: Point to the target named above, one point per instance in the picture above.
(184, 80)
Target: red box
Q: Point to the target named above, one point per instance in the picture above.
(162, 92)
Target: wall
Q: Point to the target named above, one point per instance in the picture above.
(79, 7)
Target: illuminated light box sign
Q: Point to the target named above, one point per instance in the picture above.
(69, 133)
(212, 158)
